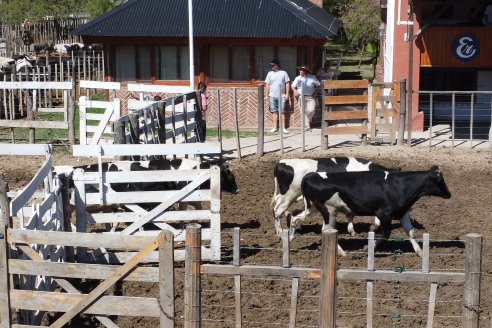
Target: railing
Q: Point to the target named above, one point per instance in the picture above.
(457, 116)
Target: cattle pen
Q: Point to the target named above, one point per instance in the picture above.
(229, 290)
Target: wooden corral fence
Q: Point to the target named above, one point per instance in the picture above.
(383, 107)
(22, 38)
(67, 299)
(97, 118)
(28, 90)
(89, 87)
(357, 108)
(39, 206)
(172, 120)
(94, 189)
(148, 91)
(329, 274)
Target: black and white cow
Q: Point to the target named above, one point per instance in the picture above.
(288, 174)
(7, 65)
(388, 195)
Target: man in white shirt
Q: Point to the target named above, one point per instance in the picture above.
(309, 84)
(277, 81)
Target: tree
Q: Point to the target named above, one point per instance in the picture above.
(18, 11)
(361, 21)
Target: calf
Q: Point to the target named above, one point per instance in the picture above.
(387, 195)
(288, 174)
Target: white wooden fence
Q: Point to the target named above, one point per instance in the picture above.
(94, 188)
(38, 206)
(31, 88)
(96, 119)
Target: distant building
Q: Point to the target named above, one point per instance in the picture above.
(146, 41)
(234, 40)
(451, 51)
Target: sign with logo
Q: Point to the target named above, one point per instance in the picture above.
(466, 47)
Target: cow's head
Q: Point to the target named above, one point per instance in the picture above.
(228, 180)
(437, 186)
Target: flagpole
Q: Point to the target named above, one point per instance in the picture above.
(190, 40)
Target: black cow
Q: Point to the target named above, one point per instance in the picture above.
(227, 178)
(288, 174)
(387, 195)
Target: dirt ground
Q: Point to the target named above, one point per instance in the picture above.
(266, 300)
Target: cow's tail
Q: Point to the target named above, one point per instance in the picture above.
(275, 183)
(307, 203)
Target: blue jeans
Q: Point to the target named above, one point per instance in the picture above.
(274, 103)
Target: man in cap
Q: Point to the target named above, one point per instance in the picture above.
(309, 84)
(277, 81)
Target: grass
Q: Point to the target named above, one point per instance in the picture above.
(350, 59)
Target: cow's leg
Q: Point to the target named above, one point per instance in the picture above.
(281, 204)
(376, 224)
(350, 226)
(406, 223)
(280, 208)
(341, 252)
(297, 220)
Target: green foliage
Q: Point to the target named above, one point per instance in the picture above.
(18, 11)
(361, 20)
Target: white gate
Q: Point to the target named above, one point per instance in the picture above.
(96, 118)
(98, 188)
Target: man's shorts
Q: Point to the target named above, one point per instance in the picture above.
(274, 105)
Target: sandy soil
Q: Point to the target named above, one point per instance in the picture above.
(266, 300)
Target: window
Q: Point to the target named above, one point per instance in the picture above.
(288, 60)
(287, 57)
(241, 65)
(263, 57)
(144, 63)
(229, 64)
(125, 63)
(219, 64)
(173, 63)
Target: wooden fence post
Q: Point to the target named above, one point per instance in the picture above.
(219, 122)
(236, 259)
(71, 111)
(65, 196)
(236, 122)
(5, 315)
(166, 278)
(471, 296)
(261, 121)
(328, 293)
(192, 283)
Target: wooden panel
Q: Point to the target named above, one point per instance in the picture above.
(79, 270)
(437, 44)
(346, 100)
(34, 124)
(387, 275)
(345, 84)
(346, 115)
(260, 270)
(106, 305)
(142, 150)
(92, 240)
(346, 130)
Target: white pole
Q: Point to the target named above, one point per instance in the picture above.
(190, 40)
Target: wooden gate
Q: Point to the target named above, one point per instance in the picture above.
(351, 98)
(68, 298)
(96, 119)
(384, 105)
(94, 188)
